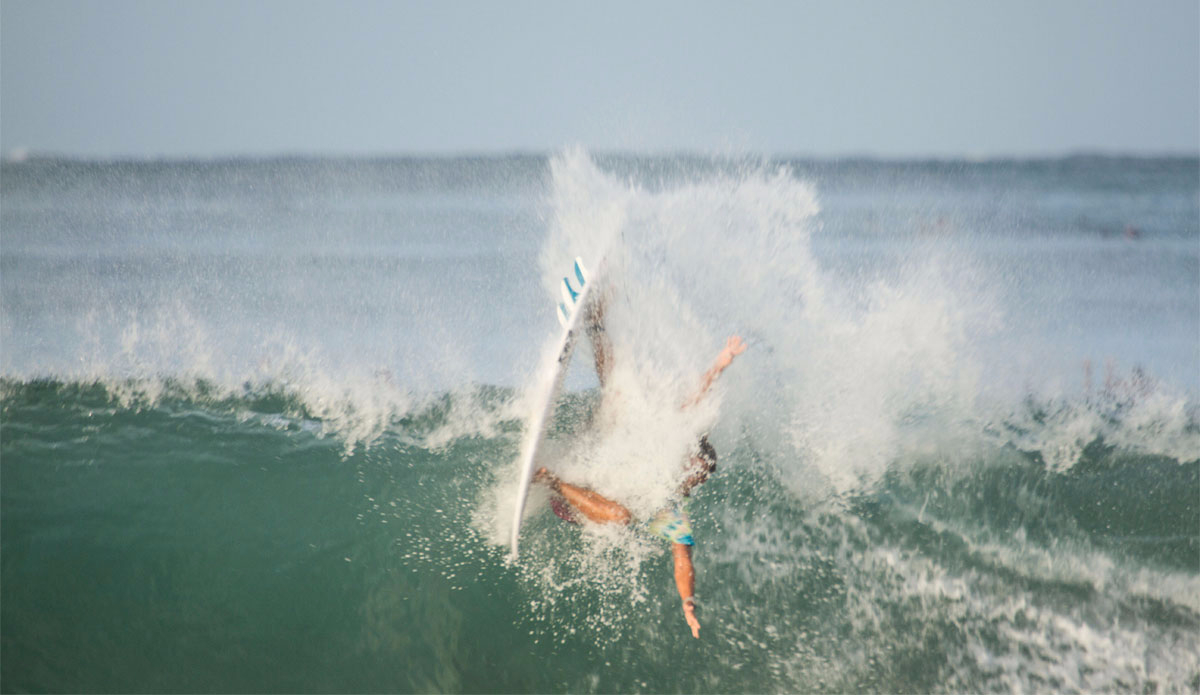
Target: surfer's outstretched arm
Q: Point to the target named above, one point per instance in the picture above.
(685, 582)
(733, 347)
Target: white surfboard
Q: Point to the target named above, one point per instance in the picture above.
(551, 374)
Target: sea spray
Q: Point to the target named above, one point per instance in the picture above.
(834, 368)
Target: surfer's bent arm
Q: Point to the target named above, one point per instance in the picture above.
(685, 581)
(733, 347)
(601, 344)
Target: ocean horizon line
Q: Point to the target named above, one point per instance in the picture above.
(22, 155)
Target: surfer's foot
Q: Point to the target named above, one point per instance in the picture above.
(544, 476)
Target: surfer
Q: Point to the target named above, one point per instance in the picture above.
(671, 523)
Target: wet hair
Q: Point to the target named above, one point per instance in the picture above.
(708, 455)
(701, 465)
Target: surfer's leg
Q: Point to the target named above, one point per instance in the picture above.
(593, 505)
(590, 503)
(601, 345)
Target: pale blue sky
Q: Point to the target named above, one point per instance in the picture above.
(215, 78)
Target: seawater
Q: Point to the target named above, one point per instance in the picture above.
(259, 422)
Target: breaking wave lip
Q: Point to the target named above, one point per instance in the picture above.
(388, 415)
(1056, 434)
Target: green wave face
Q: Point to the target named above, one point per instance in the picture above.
(159, 539)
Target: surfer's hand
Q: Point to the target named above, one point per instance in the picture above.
(689, 614)
(733, 347)
(545, 476)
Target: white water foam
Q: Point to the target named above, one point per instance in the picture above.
(1004, 637)
(835, 373)
(142, 357)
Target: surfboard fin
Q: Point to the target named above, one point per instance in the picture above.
(569, 294)
(580, 272)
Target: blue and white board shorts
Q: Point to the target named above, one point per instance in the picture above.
(673, 524)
